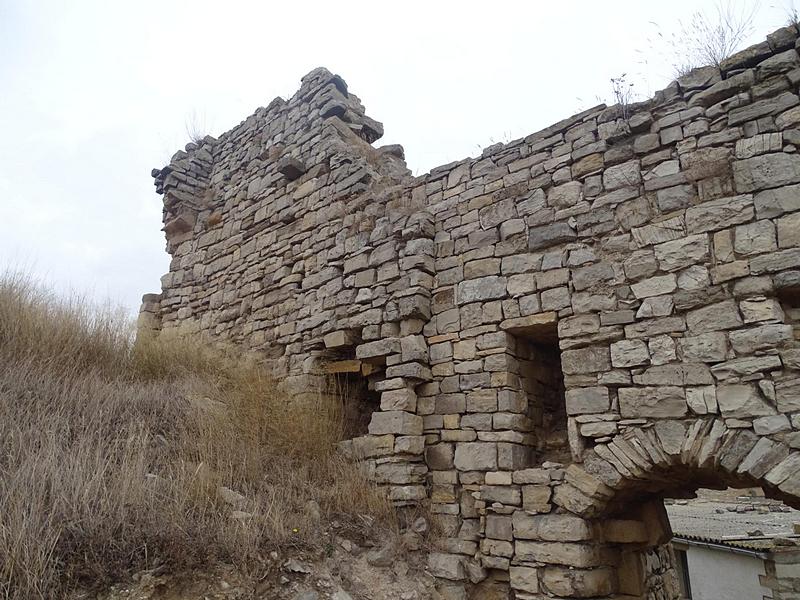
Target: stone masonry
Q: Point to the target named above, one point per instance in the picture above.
(557, 334)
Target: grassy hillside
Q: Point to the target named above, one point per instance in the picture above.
(117, 456)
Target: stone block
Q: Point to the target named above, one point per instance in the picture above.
(755, 238)
(341, 338)
(766, 171)
(579, 583)
(559, 553)
(550, 235)
(629, 353)
(771, 424)
(683, 252)
(587, 400)
(716, 317)
(662, 231)
(592, 359)
(623, 175)
(775, 261)
(481, 289)
(745, 366)
(719, 214)
(413, 348)
(676, 197)
(741, 401)
(709, 347)
(774, 203)
(551, 527)
(789, 231)
(757, 310)
(439, 457)
(497, 213)
(476, 456)
(499, 527)
(446, 566)
(655, 286)
(379, 349)
(369, 446)
(536, 498)
(524, 579)
(748, 341)
(787, 393)
(507, 495)
(653, 402)
(401, 399)
(397, 422)
(764, 456)
(566, 195)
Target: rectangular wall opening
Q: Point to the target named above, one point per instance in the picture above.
(542, 382)
(351, 383)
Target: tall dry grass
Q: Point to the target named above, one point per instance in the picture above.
(117, 456)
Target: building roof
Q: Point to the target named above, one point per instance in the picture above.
(752, 526)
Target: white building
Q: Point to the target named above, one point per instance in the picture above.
(742, 551)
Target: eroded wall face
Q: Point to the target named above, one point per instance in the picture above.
(560, 331)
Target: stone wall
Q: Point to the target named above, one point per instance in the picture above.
(562, 330)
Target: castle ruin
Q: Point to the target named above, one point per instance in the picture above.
(547, 339)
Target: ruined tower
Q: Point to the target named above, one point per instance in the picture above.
(548, 338)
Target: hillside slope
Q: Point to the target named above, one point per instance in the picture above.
(163, 459)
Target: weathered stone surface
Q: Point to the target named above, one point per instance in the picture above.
(655, 286)
(787, 393)
(476, 456)
(751, 340)
(578, 583)
(446, 566)
(716, 317)
(568, 194)
(585, 360)
(579, 555)
(659, 402)
(766, 171)
(755, 238)
(524, 579)
(776, 202)
(681, 253)
(761, 309)
(399, 422)
(764, 456)
(439, 457)
(629, 353)
(481, 289)
(550, 235)
(742, 400)
(587, 400)
(719, 214)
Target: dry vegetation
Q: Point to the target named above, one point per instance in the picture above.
(113, 454)
(708, 37)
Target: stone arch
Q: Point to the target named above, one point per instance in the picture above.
(608, 531)
(675, 455)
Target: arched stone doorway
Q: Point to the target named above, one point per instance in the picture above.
(608, 533)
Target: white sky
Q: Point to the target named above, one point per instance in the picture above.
(93, 94)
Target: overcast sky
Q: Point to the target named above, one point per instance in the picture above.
(95, 94)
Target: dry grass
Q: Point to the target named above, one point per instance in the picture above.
(708, 37)
(112, 454)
